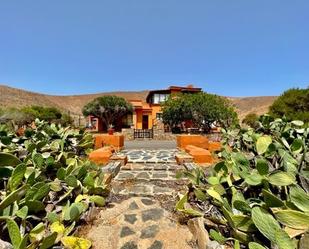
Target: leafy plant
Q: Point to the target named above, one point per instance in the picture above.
(258, 194)
(47, 186)
(293, 103)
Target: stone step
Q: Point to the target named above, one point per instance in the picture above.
(149, 156)
(142, 189)
(149, 166)
(152, 160)
(162, 175)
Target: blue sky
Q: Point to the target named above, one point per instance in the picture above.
(234, 48)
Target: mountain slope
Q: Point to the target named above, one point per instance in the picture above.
(13, 97)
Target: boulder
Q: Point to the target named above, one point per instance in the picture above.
(200, 234)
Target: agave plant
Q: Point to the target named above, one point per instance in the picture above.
(47, 185)
(257, 196)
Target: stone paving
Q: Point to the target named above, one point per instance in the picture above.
(136, 179)
(150, 156)
(140, 221)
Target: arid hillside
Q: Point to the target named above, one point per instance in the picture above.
(12, 97)
(258, 105)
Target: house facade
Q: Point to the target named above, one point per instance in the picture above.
(145, 114)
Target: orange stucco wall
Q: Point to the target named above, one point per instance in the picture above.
(155, 109)
(196, 140)
(101, 140)
(139, 119)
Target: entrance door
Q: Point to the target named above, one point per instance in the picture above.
(145, 121)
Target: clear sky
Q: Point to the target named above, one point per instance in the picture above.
(234, 48)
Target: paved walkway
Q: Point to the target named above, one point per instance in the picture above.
(145, 219)
(138, 223)
(150, 144)
(147, 179)
(150, 156)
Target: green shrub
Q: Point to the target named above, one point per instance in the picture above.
(257, 195)
(252, 120)
(27, 115)
(202, 109)
(47, 186)
(293, 104)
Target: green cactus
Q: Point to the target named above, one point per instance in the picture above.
(14, 196)
(7, 159)
(49, 169)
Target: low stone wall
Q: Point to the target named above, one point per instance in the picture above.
(158, 134)
(161, 135)
(128, 134)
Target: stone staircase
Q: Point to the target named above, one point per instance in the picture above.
(147, 179)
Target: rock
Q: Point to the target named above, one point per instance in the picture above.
(150, 232)
(129, 245)
(159, 175)
(133, 206)
(131, 218)
(5, 245)
(304, 241)
(214, 245)
(142, 175)
(162, 190)
(126, 231)
(147, 202)
(156, 245)
(152, 214)
(197, 228)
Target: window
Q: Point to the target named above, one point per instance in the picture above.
(159, 98)
(159, 116)
(156, 98)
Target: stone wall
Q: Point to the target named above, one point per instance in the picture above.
(128, 134)
(158, 133)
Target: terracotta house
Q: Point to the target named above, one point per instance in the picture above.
(145, 113)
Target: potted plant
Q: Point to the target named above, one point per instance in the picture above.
(110, 130)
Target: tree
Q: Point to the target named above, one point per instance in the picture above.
(293, 104)
(108, 108)
(251, 120)
(202, 109)
(209, 109)
(176, 110)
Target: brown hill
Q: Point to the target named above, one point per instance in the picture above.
(13, 97)
(258, 105)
